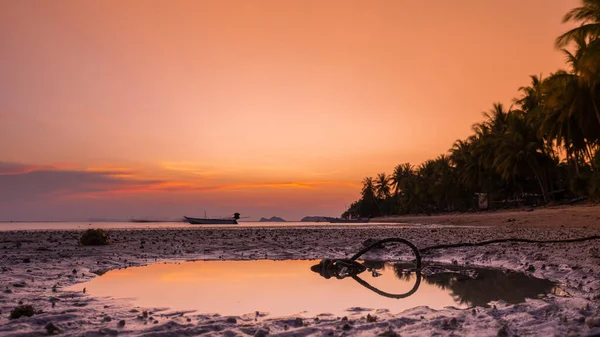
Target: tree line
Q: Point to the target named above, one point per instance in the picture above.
(543, 147)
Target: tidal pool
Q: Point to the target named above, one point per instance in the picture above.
(283, 288)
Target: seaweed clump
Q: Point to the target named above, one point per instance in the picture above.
(22, 310)
(94, 237)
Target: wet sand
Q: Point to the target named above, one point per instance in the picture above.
(37, 265)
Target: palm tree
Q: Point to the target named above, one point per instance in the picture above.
(368, 188)
(585, 64)
(514, 151)
(588, 16)
(594, 185)
(571, 115)
(462, 156)
(382, 186)
(443, 186)
(564, 118)
(585, 61)
(533, 95)
(521, 151)
(367, 205)
(486, 134)
(401, 173)
(533, 104)
(497, 118)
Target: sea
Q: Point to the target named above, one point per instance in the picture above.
(57, 225)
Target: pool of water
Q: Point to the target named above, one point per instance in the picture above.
(290, 287)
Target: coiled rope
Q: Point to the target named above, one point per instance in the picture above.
(342, 268)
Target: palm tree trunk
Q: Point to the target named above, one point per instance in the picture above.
(539, 180)
(592, 90)
(572, 160)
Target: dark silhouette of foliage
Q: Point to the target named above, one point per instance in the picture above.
(547, 144)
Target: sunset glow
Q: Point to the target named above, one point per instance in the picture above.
(157, 108)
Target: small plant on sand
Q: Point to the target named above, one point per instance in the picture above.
(22, 310)
(94, 237)
(371, 319)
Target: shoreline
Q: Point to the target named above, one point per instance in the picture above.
(576, 216)
(37, 261)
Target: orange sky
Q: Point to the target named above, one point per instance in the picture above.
(264, 107)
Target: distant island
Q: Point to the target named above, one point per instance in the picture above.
(315, 219)
(272, 219)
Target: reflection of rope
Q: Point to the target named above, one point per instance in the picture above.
(383, 293)
(342, 268)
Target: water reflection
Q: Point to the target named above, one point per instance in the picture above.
(490, 285)
(289, 287)
(467, 286)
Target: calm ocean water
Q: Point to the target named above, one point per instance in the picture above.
(7, 226)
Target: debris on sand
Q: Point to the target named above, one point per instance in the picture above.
(51, 329)
(94, 237)
(22, 310)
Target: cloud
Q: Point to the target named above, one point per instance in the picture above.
(259, 185)
(21, 182)
(192, 168)
(303, 185)
(70, 192)
(13, 168)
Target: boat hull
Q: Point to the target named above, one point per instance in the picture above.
(204, 221)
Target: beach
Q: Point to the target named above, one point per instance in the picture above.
(547, 217)
(37, 266)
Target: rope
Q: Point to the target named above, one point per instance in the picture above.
(483, 243)
(380, 242)
(342, 268)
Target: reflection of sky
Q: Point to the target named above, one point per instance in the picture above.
(240, 287)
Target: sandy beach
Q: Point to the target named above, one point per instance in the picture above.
(547, 217)
(38, 265)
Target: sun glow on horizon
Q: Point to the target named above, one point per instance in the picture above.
(137, 107)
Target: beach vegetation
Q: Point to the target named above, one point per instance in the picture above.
(542, 149)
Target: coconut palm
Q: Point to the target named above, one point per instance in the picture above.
(588, 16)
(564, 119)
(382, 186)
(462, 156)
(585, 61)
(443, 186)
(497, 118)
(571, 115)
(533, 95)
(401, 173)
(367, 205)
(368, 188)
(515, 151)
(522, 152)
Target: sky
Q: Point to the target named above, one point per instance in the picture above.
(143, 108)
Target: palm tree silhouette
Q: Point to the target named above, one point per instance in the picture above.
(382, 185)
(588, 16)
